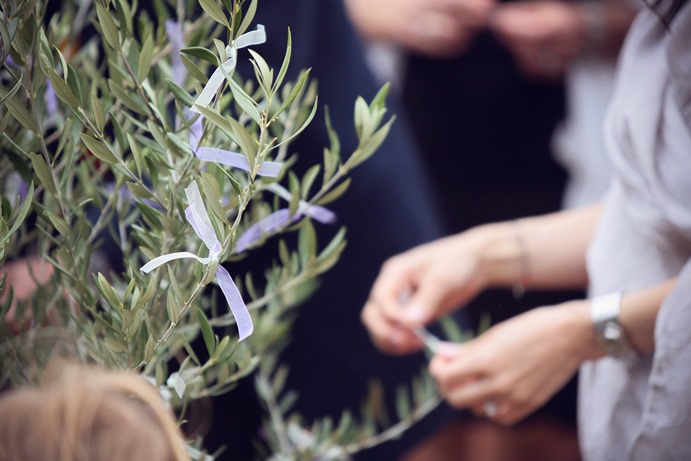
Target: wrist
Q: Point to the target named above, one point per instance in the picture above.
(579, 332)
(610, 335)
(501, 253)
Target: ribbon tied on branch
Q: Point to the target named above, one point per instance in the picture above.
(198, 218)
(255, 37)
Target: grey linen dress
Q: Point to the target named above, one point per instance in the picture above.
(642, 412)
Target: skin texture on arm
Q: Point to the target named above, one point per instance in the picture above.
(540, 252)
(431, 27)
(521, 363)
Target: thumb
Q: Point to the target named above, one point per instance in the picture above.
(424, 306)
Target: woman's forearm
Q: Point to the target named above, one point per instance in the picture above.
(545, 252)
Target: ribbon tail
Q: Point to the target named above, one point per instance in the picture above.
(214, 83)
(199, 218)
(161, 260)
(235, 302)
(262, 227)
(319, 213)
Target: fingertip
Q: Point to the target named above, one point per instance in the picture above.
(448, 350)
(414, 314)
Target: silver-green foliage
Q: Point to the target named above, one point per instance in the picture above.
(109, 166)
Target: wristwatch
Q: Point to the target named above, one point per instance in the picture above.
(604, 311)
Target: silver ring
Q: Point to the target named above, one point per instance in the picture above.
(490, 408)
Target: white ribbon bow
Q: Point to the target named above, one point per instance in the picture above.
(197, 216)
(254, 37)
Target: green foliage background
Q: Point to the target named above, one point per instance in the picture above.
(109, 165)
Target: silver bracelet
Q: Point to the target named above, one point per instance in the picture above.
(604, 311)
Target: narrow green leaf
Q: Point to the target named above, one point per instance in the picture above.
(217, 119)
(62, 90)
(18, 110)
(43, 173)
(305, 124)
(361, 113)
(212, 192)
(145, 57)
(194, 70)
(248, 18)
(65, 137)
(180, 93)
(379, 101)
(131, 100)
(248, 145)
(72, 79)
(124, 16)
(295, 91)
(174, 142)
(108, 27)
(245, 101)
(97, 111)
(107, 291)
(15, 88)
(212, 8)
(201, 53)
(136, 153)
(119, 133)
(335, 193)
(207, 332)
(6, 44)
(58, 223)
(262, 71)
(308, 180)
(19, 214)
(286, 63)
(173, 308)
(370, 146)
(99, 149)
(402, 403)
(115, 345)
(139, 191)
(307, 243)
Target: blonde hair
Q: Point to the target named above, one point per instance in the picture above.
(87, 414)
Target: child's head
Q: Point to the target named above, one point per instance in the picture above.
(87, 414)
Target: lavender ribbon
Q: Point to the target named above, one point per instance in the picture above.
(280, 218)
(316, 212)
(198, 218)
(254, 37)
(226, 157)
(210, 154)
(264, 226)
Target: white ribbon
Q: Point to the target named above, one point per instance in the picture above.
(254, 37)
(198, 218)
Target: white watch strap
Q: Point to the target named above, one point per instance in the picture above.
(604, 311)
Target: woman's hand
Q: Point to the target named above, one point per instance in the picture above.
(427, 282)
(543, 36)
(431, 27)
(517, 365)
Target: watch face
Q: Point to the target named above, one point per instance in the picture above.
(612, 332)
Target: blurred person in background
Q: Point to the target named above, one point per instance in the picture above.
(482, 82)
(632, 251)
